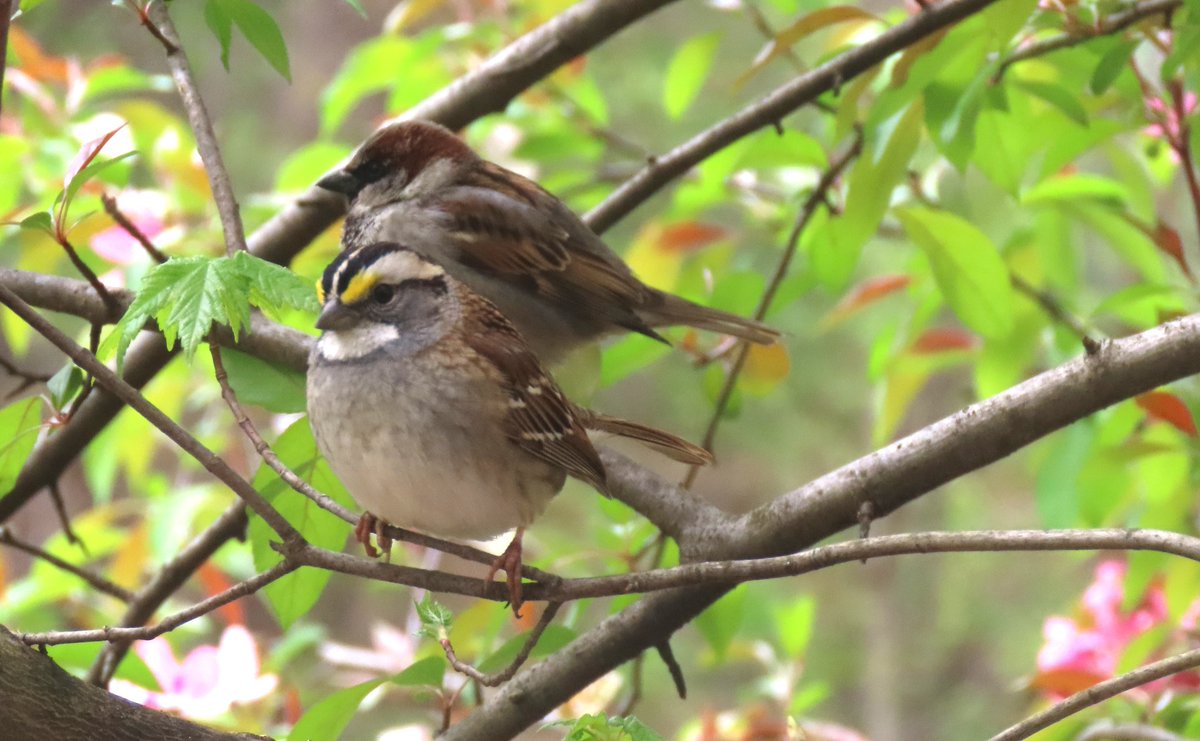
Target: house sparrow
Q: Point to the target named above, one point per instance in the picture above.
(434, 413)
(417, 183)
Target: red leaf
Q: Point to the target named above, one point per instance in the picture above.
(215, 582)
(686, 236)
(944, 339)
(864, 294)
(1167, 239)
(86, 154)
(1167, 407)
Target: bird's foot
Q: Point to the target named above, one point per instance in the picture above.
(510, 561)
(368, 525)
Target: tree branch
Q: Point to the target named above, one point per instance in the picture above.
(498, 678)
(231, 524)
(206, 138)
(1098, 693)
(43, 701)
(784, 100)
(98, 582)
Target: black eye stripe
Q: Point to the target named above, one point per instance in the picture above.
(369, 171)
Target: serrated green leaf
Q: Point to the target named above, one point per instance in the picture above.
(274, 288)
(20, 423)
(599, 727)
(427, 672)
(967, 267)
(687, 72)
(434, 617)
(326, 720)
(256, 24)
(272, 387)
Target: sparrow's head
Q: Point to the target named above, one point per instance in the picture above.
(379, 294)
(398, 161)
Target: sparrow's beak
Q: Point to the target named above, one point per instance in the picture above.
(341, 182)
(336, 316)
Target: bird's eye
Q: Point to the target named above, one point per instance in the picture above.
(382, 293)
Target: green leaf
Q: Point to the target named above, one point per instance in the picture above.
(256, 25)
(41, 221)
(795, 624)
(601, 728)
(687, 72)
(326, 720)
(1110, 67)
(720, 623)
(426, 672)
(20, 422)
(1056, 492)
(357, 7)
(293, 595)
(274, 388)
(185, 295)
(1058, 97)
(274, 288)
(435, 618)
(64, 384)
(967, 267)
(1077, 186)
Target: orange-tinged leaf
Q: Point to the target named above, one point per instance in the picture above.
(656, 266)
(1065, 681)
(1167, 407)
(809, 24)
(944, 339)
(214, 582)
(35, 62)
(864, 294)
(686, 236)
(1167, 239)
(87, 153)
(129, 563)
(766, 366)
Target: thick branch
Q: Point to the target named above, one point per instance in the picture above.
(42, 701)
(784, 100)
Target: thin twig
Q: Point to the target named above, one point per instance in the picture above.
(1098, 693)
(814, 201)
(88, 274)
(97, 581)
(60, 509)
(123, 221)
(1106, 26)
(28, 378)
(213, 463)
(173, 574)
(498, 678)
(169, 623)
(1057, 312)
(327, 503)
(206, 138)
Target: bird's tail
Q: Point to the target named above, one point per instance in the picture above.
(667, 310)
(672, 446)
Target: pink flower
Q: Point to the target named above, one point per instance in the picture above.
(209, 681)
(1169, 124)
(1079, 652)
(146, 210)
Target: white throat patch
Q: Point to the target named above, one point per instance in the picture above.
(348, 344)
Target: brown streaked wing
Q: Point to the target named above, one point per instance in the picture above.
(540, 420)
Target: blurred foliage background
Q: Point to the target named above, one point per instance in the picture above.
(979, 199)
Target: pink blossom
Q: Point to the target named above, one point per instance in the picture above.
(1079, 652)
(146, 210)
(1169, 124)
(209, 681)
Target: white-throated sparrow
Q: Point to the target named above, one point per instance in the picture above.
(417, 183)
(434, 413)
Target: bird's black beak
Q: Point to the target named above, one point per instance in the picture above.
(336, 316)
(341, 182)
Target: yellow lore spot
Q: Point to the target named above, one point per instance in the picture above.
(320, 293)
(358, 287)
